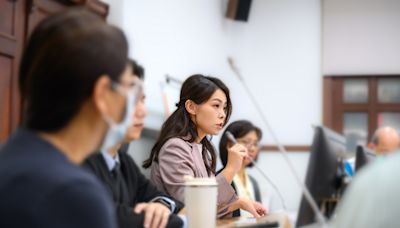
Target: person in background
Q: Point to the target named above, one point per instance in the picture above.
(71, 80)
(385, 140)
(183, 148)
(249, 136)
(132, 192)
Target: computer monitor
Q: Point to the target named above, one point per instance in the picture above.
(325, 174)
(364, 155)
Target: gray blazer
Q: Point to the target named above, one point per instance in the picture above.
(178, 158)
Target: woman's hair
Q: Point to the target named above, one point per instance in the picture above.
(199, 89)
(65, 56)
(238, 129)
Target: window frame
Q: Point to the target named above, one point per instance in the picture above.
(334, 106)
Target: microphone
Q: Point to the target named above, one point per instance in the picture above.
(306, 192)
(231, 138)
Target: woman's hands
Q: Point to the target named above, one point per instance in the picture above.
(255, 208)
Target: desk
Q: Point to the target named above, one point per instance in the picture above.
(281, 218)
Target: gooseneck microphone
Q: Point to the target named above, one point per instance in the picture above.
(231, 138)
(306, 192)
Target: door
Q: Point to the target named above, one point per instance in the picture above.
(12, 24)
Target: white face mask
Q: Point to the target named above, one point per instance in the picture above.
(116, 131)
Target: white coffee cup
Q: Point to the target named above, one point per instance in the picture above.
(201, 202)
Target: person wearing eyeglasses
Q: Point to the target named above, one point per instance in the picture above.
(249, 136)
(138, 202)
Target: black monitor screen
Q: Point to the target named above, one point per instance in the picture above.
(363, 156)
(324, 172)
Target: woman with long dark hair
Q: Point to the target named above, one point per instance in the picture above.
(183, 148)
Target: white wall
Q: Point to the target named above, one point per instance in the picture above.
(175, 37)
(361, 37)
(277, 51)
(115, 14)
(278, 54)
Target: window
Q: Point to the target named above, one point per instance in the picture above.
(356, 105)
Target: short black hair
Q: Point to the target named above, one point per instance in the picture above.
(65, 56)
(238, 129)
(137, 69)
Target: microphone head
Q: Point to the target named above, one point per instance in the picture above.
(230, 61)
(230, 137)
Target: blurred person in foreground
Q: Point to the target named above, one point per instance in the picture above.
(71, 79)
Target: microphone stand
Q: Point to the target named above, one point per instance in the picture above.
(306, 192)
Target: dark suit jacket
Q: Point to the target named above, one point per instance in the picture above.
(139, 188)
(40, 187)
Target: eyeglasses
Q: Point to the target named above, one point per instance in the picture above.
(249, 144)
(135, 88)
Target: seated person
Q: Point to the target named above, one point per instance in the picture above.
(133, 193)
(384, 141)
(249, 136)
(68, 89)
(184, 149)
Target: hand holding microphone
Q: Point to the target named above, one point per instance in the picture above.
(236, 155)
(232, 139)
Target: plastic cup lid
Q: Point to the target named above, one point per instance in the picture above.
(208, 181)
